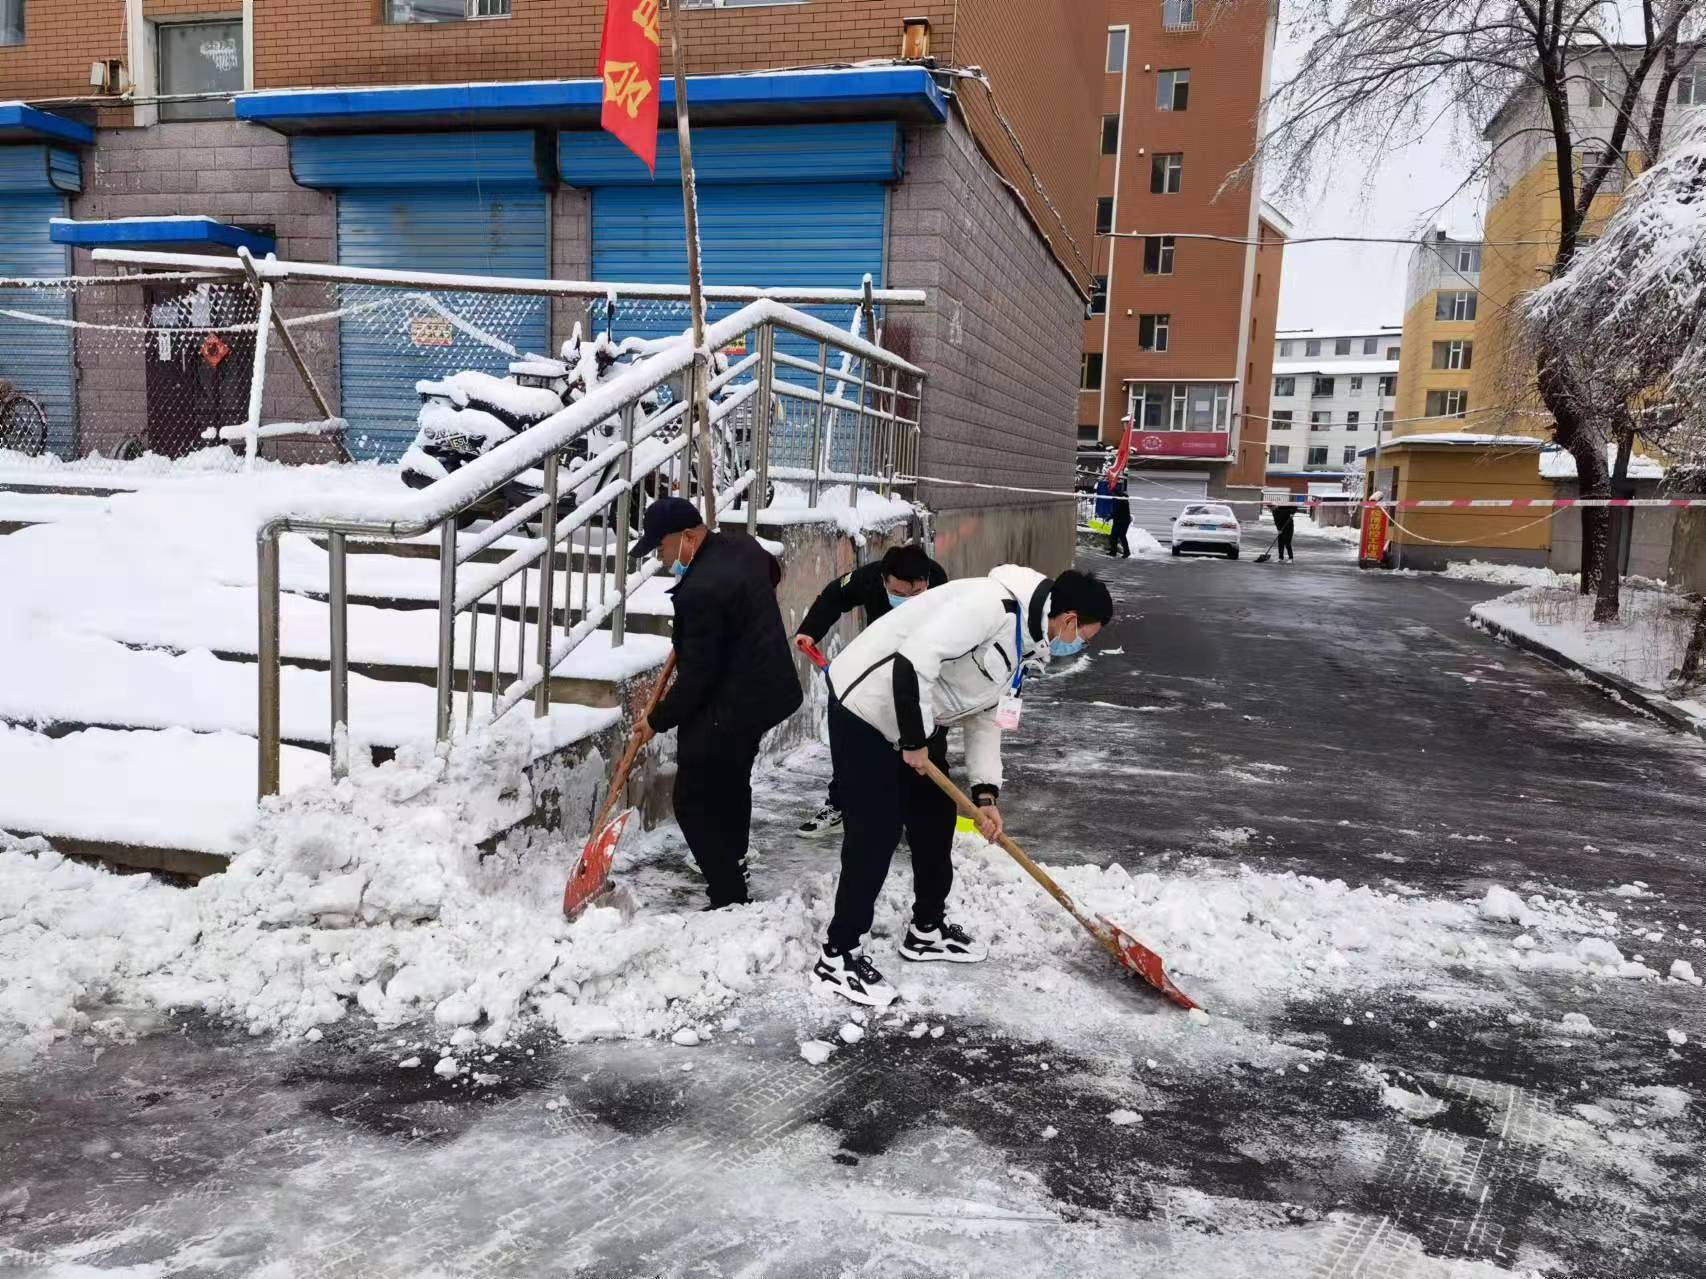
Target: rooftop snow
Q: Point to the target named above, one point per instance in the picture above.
(1328, 365)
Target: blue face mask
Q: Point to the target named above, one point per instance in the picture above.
(895, 601)
(1065, 648)
(678, 569)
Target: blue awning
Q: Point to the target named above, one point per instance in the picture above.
(905, 93)
(165, 233)
(21, 123)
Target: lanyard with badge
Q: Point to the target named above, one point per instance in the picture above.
(1007, 712)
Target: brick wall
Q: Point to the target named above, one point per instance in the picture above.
(61, 39)
(1000, 339)
(1250, 467)
(226, 170)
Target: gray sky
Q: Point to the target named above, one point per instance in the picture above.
(1328, 286)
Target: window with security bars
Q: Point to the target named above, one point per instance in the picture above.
(1178, 15)
(409, 12)
(11, 22)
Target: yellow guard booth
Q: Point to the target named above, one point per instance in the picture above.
(1452, 465)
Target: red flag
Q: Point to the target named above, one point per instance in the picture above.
(1124, 455)
(628, 66)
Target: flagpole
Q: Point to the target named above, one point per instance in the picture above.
(695, 285)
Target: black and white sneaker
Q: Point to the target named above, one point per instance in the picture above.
(852, 976)
(823, 823)
(946, 942)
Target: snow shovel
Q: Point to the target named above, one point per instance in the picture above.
(1268, 554)
(591, 875)
(1127, 951)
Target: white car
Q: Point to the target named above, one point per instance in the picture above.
(1207, 527)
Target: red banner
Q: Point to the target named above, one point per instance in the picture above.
(1373, 549)
(1215, 444)
(1124, 455)
(628, 65)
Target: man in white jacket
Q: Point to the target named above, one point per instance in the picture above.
(955, 655)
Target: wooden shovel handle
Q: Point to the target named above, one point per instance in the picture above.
(619, 778)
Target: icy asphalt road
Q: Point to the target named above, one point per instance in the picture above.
(1300, 717)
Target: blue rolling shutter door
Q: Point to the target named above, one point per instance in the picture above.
(37, 358)
(455, 229)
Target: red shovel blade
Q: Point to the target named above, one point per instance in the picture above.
(1134, 955)
(591, 874)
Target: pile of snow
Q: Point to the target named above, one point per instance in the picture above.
(1142, 542)
(1509, 574)
(872, 511)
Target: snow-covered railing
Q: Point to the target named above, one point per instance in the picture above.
(587, 472)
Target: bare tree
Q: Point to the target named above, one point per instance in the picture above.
(1379, 74)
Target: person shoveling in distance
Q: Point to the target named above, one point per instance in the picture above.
(877, 588)
(735, 681)
(954, 656)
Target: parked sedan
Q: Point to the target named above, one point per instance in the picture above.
(1207, 527)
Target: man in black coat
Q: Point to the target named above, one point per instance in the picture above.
(877, 588)
(1117, 543)
(1283, 529)
(735, 681)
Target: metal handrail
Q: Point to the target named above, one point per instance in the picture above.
(602, 519)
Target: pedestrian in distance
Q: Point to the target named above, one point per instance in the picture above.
(877, 588)
(1283, 519)
(735, 681)
(956, 656)
(1121, 517)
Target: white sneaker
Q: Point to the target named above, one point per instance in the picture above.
(823, 823)
(853, 977)
(946, 942)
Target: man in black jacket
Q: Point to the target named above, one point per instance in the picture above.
(1117, 543)
(878, 588)
(1283, 529)
(735, 681)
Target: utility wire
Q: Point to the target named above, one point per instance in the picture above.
(1306, 239)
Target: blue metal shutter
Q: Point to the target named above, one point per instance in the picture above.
(476, 231)
(37, 358)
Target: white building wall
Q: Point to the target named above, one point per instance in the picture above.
(1356, 376)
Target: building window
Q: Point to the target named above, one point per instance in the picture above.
(416, 11)
(1350, 454)
(1285, 350)
(1116, 50)
(1356, 384)
(1690, 86)
(1281, 420)
(1382, 420)
(1098, 295)
(1110, 135)
(1616, 173)
(1318, 456)
(1321, 420)
(1167, 174)
(1353, 419)
(1284, 386)
(199, 58)
(1179, 15)
(1182, 406)
(1279, 454)
(1389, 385)
(1447, 403)
(1394, 352)
(1089, 433)
(1152, 332)
(1172, 90)
(1104, 215)
(1341, 346)
(11, 22)
(1370, 345)
(1312, 348)
(1158, 255)
(1090, 371)
(1323, 386)
(1599, 87)
(1454, 304)
(1468, 258)
(1454, 355)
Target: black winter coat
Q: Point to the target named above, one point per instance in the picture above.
(1283, 516)
(862, 588)
(735, 674)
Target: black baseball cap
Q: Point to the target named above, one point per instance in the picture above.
(665, 516)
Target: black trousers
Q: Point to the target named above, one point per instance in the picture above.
(1285, 551)
(1117, 544)
(883, 798)
(713, 806)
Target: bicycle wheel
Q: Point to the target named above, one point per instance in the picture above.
(23, 426)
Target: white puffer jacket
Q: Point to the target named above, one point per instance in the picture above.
(955, 645)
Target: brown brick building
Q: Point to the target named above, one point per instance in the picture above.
(1181, 330)
(424, 101)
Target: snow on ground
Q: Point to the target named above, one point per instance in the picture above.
(1644, 646)
(789, 505)
(372, 900)
(1509, 574)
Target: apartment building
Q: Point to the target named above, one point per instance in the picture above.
(833, 139)
(1180, 331)
(1442, 305)
(1333, 396)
